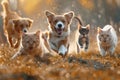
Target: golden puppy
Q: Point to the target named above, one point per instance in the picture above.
(59, 30)
(14, 24)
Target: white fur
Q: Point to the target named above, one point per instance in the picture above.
(59, 22)
(54, 40)
(112, 44)
(62, 49)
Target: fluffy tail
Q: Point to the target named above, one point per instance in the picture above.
(79, 20)
(5, 5)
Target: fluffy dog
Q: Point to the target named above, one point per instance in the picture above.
(13, 24)
(107, 40)
(59, 30)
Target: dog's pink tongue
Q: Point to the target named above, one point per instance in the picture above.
(59, 31)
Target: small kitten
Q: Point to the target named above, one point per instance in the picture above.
(30, 45)
(84, 37)
(106, 40)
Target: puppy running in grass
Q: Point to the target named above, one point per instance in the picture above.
(13, 24)
(59, 30)
(107, 40)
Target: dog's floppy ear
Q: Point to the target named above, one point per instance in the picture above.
(15, 22)
(69, 16)
(49, 15)
(30, 21)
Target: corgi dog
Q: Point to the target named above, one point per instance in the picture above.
(13, 24)
(106, 40)
(59, 30)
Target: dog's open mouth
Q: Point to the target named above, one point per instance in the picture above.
(59, 31)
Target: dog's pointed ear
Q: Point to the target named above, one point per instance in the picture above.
(69, 16)
(88, 26)
(49, 15)
(30, 21)
(99, 30)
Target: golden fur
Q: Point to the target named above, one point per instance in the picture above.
(30, 45)
(13, 24)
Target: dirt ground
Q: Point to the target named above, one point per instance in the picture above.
(84, 66)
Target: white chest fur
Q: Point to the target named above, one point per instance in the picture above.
(54, 40)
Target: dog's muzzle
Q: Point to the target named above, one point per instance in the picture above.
(25, 30)
(59, 27)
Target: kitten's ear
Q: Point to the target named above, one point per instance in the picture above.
(49, 15)
(38, 33)
(109, 29)
(45, 35)
(88, 26)
(99, 30)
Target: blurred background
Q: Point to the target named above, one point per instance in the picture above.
(93, 12)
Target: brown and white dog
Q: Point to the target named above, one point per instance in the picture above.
(14, 24)
(59, 30)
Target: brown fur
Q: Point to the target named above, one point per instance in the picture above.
(13, 24)
(55, 39)
(31, 45)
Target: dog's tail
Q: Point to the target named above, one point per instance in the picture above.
(6, 7)
(79, 20)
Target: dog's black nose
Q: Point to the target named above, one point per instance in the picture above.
(25, 31)
(59, 25)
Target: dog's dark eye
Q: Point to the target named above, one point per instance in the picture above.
(56, 21)
(63, 21)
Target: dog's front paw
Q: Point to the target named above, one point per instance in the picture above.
(62, 50)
